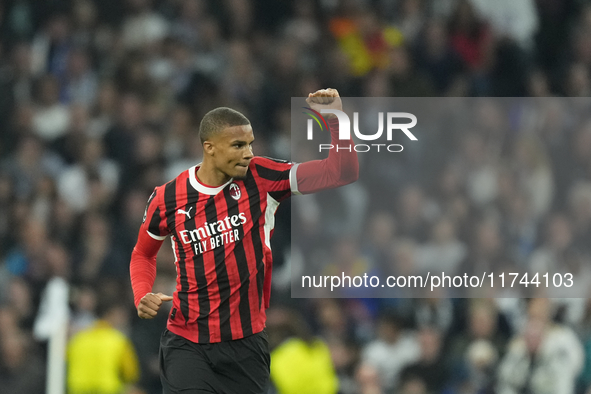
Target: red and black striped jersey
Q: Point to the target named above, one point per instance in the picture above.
(221, 242)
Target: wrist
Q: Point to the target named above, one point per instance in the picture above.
(333, 123)
(141, 293)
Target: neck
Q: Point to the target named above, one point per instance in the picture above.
(210, 176)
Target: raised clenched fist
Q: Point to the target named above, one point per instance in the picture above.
(325, 99)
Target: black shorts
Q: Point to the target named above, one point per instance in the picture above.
(233, 367)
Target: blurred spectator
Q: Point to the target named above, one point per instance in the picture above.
(301, 362)
(101, 359)
(488, 253)
(544, 358)
(22, 369)
(365, 40)
(535, 174)
(410, 18)
(578, 82)
(406, 80)
(368, 380)
(51, 119)
(81, 84)
(84, 300)
(580, 213)
(378, 239)
(444, 251)
(470, 37)
(334, 324)
(390, 352)
(28, 164)
(187, 26)
(436, 57)
(92, 181)
(437, 313)
(102, 115)
(516, 20)
(553, 252)
(17, 81)
(303, 27)
(473, 354)
(51, 45)
(96, 255)
(144, 26)
(414, 212)
(84, 23)
(430, 367)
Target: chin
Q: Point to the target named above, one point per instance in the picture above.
(240, 174)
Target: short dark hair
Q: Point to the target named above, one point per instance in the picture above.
(218, 119)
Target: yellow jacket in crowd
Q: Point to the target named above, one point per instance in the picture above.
(101, 360)
(300, 367)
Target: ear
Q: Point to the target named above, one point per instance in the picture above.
(208, 148)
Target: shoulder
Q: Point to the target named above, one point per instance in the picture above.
(271, 163)
(157, 193)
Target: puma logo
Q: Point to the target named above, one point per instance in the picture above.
(182, 211)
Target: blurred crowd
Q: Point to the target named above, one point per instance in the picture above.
(100, 101)
(493, 186)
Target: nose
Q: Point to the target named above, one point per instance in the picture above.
(248, 153)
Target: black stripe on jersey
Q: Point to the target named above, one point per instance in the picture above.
(280, 194)
(221, 273)
(242, 264)
(154, 226)
(202, 290)
(275, 160)
(254, 201)
(170, 203)
(272, 175)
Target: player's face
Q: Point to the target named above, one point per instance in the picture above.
(233, 150)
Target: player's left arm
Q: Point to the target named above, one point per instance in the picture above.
(341, 167)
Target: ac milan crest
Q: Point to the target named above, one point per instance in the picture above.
(235, 191)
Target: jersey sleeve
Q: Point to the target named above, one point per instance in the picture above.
(142, 267)
(340, 168)
(276, 176)
(154, 222)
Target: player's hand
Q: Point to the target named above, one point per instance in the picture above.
(325, 99)
(150, 304)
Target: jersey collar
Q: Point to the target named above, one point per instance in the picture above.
(200, 187)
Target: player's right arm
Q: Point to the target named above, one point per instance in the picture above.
(142, 267)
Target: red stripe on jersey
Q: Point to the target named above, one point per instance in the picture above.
(234, 301)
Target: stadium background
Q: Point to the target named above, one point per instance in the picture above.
(100, 101)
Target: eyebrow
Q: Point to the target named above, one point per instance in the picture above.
(243, 142)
